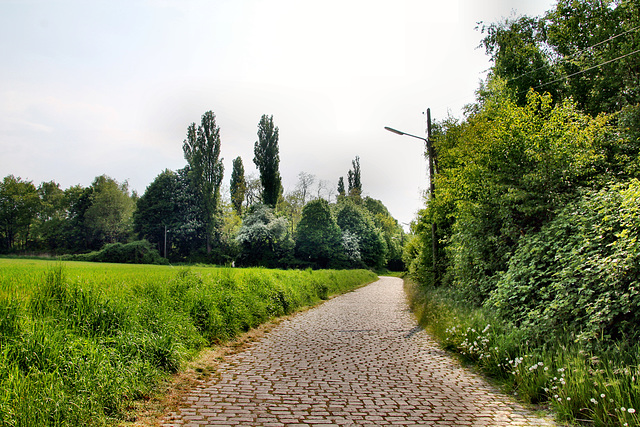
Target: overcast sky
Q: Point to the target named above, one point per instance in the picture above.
(109, 87)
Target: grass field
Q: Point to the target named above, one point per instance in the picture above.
(81, 342)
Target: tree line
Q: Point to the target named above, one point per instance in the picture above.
(187, 216)
(536, 195)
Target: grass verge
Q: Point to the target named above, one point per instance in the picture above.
(84, 344)
(598, 386)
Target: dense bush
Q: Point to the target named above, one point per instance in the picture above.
(264, 239)
(358, 222)
(318, 237)
(581, 272)
(139, 252)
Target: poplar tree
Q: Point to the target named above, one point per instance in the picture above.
(353, 177)
(202, 152)
(267, 160)
(238, 185)
(341, 190)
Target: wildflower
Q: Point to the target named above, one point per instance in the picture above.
(631, 411)
(546, 368)
(602, 396)
(560, 369)
(623, 409)
(568, 399)
(595, 402)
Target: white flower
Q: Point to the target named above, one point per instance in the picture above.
(595, 402)
(568, 398)
(623, 409)
(602, 395)
(631, 411)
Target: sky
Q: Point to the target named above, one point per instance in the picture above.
(109, 87)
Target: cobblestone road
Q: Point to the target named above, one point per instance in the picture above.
(358, 359)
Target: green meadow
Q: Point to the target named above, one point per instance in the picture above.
(80, 343)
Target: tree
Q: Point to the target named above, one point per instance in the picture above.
(253, 193)
(391, 231)
(326, 187)
(202, 152)
(19, 204)
(305, 181)
(318, 237)
(238, 185)
(353, 177)
(188, 234)
(357, 221)
(264, 238)
(51, 215)
(583, 50)
(341, 190)
(157, 212)
(267, 160)
(77, 235)
(518, 55)
(504, 173)
(109, 217)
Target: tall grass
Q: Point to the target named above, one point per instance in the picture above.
(597, 385)
(79, 343)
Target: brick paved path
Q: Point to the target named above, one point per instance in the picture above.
(355, 360)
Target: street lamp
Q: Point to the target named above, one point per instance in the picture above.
(431, 155)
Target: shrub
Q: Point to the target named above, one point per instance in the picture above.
(138, 252)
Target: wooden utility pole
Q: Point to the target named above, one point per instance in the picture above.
(431, 154)
(432, 163)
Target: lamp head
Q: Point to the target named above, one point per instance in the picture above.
(394, 130)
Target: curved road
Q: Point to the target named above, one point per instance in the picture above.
(357, 359)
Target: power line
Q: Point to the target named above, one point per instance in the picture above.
(587, 69)
(575, 54)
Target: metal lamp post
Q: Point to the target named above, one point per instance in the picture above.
(431, 155)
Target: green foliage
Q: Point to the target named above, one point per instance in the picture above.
(354, 179)
(138, 252)
(109, 216)
(391, 232)
(581, 272)
(597, 384)
(156, 209)
(357, 221)
(267, 160)
(83, 342)
(202, 152)
(503, 174)
(19, 205)
(318, 237)
(238, 185)
(264, 239)
(341, 190)
(583, 50)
